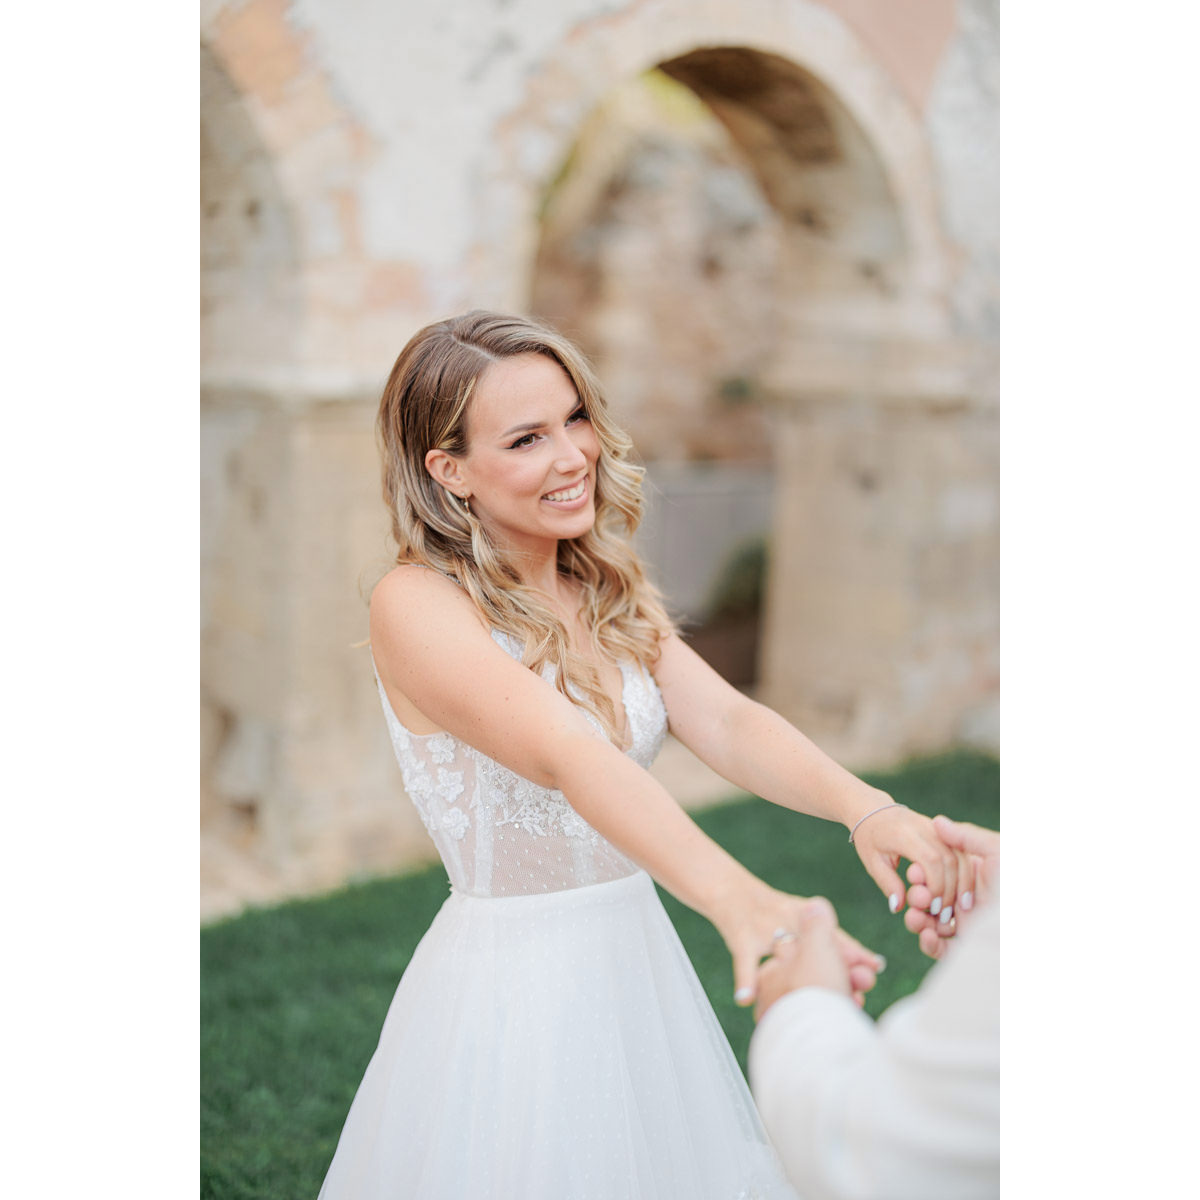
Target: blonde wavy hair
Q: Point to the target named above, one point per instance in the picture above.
(424, 407)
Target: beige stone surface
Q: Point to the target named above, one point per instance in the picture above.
(908, 36)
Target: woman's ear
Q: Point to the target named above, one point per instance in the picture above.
(444, 468)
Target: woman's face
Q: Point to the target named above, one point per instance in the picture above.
(530, 465)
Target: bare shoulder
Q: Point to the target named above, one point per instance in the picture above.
(420, 622)
(410, 595)
(441, 670)
(412, 580)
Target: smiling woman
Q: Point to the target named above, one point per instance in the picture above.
(529, 470)
(485, 421)
(550, 1037)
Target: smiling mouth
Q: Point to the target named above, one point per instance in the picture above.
(567, 494)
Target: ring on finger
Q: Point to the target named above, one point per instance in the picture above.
(783, 935)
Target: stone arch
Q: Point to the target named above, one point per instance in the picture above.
(532, 138)
(284, 102)
(867, 365)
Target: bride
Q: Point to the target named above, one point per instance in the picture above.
(549, 1038)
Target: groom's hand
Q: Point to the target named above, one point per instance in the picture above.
(814, 959)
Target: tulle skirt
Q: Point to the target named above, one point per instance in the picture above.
(553, 1047)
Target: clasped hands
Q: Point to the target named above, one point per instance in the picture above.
(818, 954)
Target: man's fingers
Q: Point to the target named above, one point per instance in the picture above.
(862, 978)
(931, 945)
(916, 919)
(962, 835)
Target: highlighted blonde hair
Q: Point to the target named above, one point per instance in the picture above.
(424, 407)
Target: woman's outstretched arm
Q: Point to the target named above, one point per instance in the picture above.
(435, 656)
(756, 749)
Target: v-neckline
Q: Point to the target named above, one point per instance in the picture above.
(624, 741)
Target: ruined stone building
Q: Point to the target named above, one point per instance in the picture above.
(772, 224)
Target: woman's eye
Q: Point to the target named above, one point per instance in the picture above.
(580, 414)
(527, 440)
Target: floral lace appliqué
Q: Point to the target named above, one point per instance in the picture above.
(573, 825)
(457, 791)
(420, 790)
(441, 749)
(449, 784)
(456, 823)
(536, 810)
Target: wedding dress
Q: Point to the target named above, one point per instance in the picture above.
(549, 1039)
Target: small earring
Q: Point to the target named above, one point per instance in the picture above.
(466, 505)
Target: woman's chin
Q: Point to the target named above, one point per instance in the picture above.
(581, 522)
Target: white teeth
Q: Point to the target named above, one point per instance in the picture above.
(570, 494)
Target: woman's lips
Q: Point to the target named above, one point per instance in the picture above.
(568, 497)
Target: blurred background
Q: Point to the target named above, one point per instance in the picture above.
(771, 224)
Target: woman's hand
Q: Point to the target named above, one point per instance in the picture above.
(813, 959)
(756, 923)
(886, 836)
(982, 846)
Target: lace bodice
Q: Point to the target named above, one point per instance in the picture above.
(500, 834)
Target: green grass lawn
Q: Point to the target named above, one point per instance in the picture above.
(293, 998)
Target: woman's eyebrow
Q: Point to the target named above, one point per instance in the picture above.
(528, 427)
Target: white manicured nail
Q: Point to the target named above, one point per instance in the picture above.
(743, 995)
(881, 964)
(947, 913)
(967, 901)
(894, 902)
(936, 906)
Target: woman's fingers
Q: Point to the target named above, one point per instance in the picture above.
(745, 975)
(921, 896)
(786, 921)
(883, 871)
(958, 894)
(932, 871)
(945, 895)
(966, 881)
(775, 916)
(941, 877)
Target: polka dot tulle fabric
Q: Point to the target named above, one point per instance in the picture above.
(549, 1039)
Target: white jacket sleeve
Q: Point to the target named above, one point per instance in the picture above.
(909, 1107)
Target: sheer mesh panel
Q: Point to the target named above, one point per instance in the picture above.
(500, 834)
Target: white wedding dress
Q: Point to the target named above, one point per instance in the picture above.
(549, 1039)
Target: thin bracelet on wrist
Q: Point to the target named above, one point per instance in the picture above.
(881, 808)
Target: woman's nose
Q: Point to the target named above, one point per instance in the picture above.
(570, 456)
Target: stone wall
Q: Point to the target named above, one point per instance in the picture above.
(363, 175)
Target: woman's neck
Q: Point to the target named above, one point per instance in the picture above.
(540, 571)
